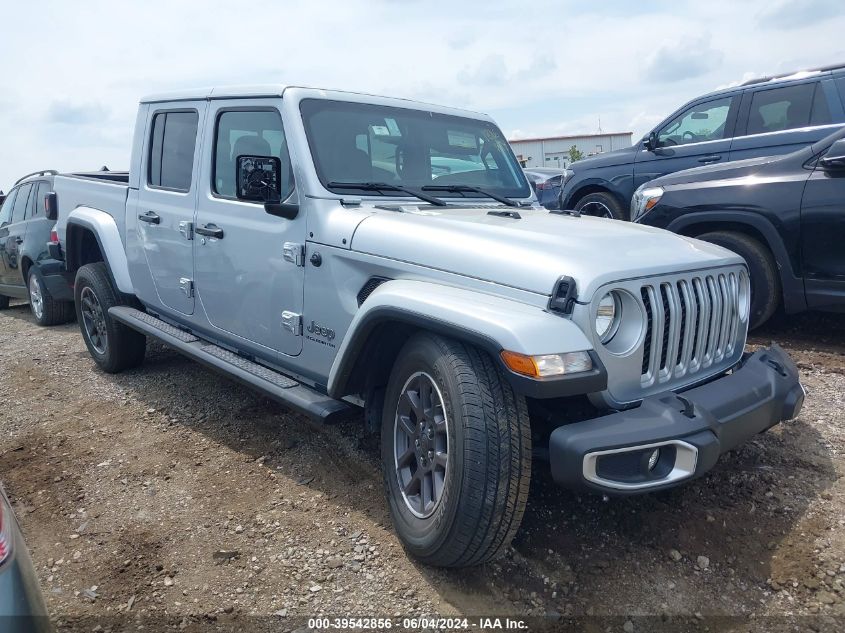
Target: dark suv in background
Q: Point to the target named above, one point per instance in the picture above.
(785, 215)
(762, 117)
(30, 264)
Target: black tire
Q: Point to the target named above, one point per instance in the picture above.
(488, 470)
(765, 282)
(115, 347)
(4, 302)
(601, 204)
(48, 311)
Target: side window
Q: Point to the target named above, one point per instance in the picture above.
(36, 200)
(702, 122)
(781, 108)
(6, 209)
(821, 112)
(19, 210)
(172, 144)
(248, 133)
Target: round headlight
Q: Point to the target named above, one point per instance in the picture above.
(607, 317)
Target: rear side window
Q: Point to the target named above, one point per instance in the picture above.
(6, 209)
(784, 108)
(172, 145)
(249, 133)
(821, 111)
(19, 210)
(36, 200)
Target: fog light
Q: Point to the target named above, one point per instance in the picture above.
(652, 459)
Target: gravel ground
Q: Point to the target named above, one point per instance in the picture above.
(171, 496)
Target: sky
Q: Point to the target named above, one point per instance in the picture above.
(73, 72)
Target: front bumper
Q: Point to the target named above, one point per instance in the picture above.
(611, 454)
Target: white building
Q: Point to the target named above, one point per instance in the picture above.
(553, 151)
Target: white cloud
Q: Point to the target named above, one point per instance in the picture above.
(683, 59)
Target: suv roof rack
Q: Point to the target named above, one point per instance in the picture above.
(43, 172)
(821, 69)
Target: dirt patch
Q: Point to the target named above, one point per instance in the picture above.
(170, 494)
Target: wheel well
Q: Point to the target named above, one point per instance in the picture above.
(82, 248)
(694, 230)
(587, 190)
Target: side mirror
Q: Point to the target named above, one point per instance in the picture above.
(834, 157)
(51, 206)
(651, 143)
(259, 179)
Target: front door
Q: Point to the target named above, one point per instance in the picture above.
(700, 135)
(167, 201)
(244, 281)
(12, 236)
(823, 235)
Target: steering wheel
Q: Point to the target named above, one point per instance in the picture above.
(688, 136)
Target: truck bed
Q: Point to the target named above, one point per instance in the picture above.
(105, 191)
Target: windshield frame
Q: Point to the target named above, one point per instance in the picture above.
(309, 106)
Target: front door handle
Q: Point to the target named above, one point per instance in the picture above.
(210, 230)
(712, 158)
(18, 240)
(150, 218)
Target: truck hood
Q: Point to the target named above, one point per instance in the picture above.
(533, 252)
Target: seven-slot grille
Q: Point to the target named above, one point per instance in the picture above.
(692, 323)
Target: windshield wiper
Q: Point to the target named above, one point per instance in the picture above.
(383, 186)
(471, 189)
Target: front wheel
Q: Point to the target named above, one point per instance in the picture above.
(456, 453)
(601, 205)
(112, 345)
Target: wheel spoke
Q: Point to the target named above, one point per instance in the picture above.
(407, 426)
(405, 458)
(411, 401)
(440, 460)
(426, 485)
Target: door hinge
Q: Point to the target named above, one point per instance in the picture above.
(294, 253)
(293, 322)
(187, 230)
(187, 286)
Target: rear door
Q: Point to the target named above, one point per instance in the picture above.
(12, 237)
(699, 135)
(167, 200)
(822, 238)
(782, 119)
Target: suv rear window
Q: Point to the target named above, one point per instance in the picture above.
(787, 108)
(19, 210)
(172, 145)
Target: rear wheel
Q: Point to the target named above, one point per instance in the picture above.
(45, 309)
(765, 283)
(456, 453)
(601, 205)
(112, 345)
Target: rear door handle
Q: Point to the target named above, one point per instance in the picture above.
(712, 158)
(150, 218)
(210, 230)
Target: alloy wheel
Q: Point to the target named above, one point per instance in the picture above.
(36, 298)
(596, 209)
(94, 320)
(421, 444)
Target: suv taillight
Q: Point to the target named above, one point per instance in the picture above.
(54, 237)
(5, 531)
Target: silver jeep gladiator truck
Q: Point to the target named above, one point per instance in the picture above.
(336, 250)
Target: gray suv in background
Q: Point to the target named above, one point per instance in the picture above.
(29, 251)
(762, 117)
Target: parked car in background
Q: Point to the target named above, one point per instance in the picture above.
(30, 266)
(546, 183)
(762, 117)
(785, 215)
(22, 607)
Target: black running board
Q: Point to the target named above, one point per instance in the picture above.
(283, 389)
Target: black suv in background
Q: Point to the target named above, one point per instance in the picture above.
(784, 214)
(762, 117)
(30, 264)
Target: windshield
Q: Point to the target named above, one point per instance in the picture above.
(364, 143)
